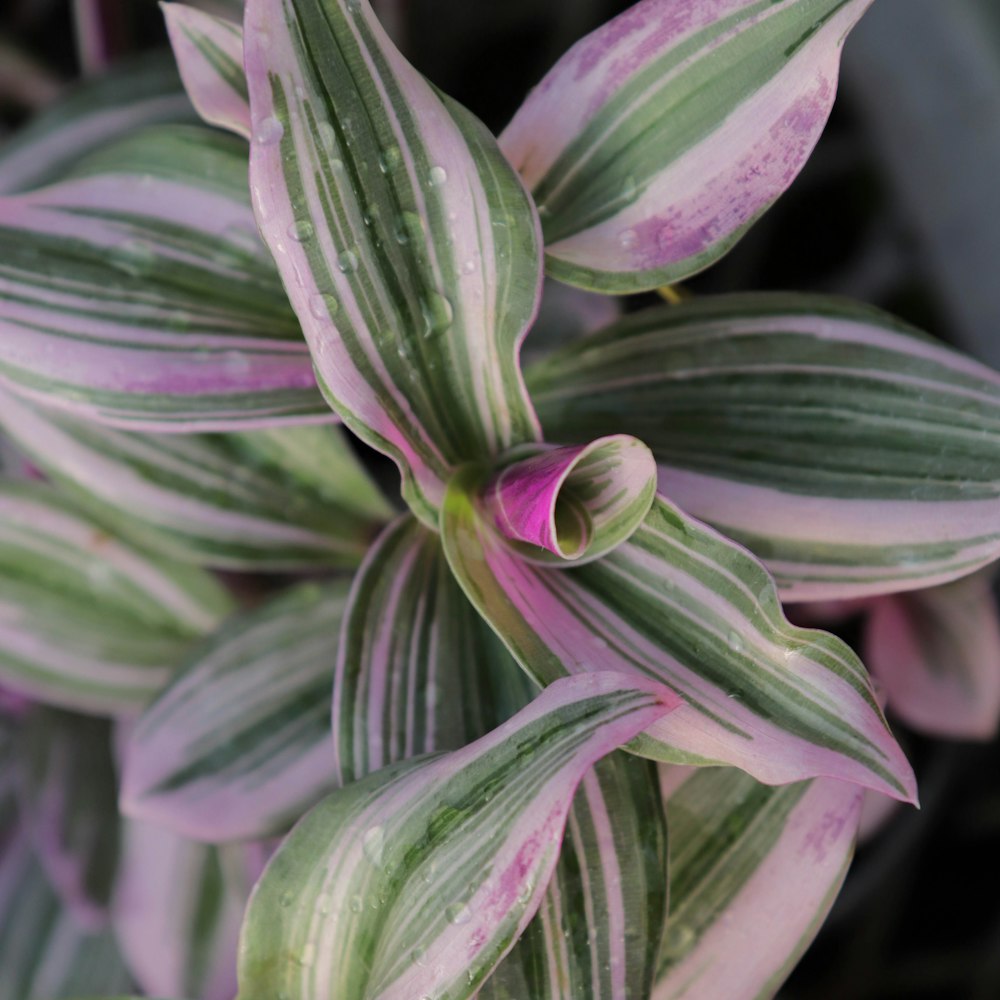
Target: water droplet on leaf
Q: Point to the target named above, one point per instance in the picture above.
(347, 262)
(268, 131)
(438, 176)
(301, 230)
(373, 844)
(458, 913)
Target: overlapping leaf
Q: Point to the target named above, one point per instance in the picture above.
(849, 452)
(655, 142)
(45, 953)
(417, 880)
(418, 670)
(177, 911)
(138, 293)
(94, 113)
(209, 54)
(86, 621)
(287, 498)
(239, 745)
(680, 603)
(407, 244)
(69, 807)
(753, 872)
(936, 654)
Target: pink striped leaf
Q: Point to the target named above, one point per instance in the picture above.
(138, 293)
(658, 140)
(45, 952)
(177, 909)
(850, 452)
(407, 244)
(936, 654)
(209, 54)
(266, 500)
(417, 880)
(69, 807)
(598, 930)
(681, 603)
(753, 872)
(238, 746)
(87, 621)
(573, 503)
(418, 670)
(93, 113)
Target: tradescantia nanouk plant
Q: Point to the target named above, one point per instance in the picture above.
(542, 728)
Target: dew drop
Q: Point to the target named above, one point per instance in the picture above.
(458, 913)
(418, 956)
(308, 955)
(354, 6)
(735, 641)
(438, 314)
(347, 262)
(390, 159)
(135, 258)
(356, 904)
(469, 266)
(337, 166)
(301, 230)
(327, 136)
(373, 844)
(268, 131)
(629, 189)
(408, 226)
(438, 176)
(628, 239)
(285, 900)
(324, 305)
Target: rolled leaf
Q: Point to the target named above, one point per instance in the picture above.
(94, 113)
(753, 872)
(69, 807)
(656, 141)
(407, 244)
(237, 501)
(936, 654)
(851, 453)
(45, 953)
(417, 880)
(138, 294)
(177, 911)
(573, 503)
(597, 932)
(680, 603)
(209, 54)
(418, 670)
(88, 622)
(239, 745)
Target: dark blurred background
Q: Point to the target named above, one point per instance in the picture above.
(900, 206)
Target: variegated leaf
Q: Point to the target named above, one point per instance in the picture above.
(574, 504)
(753, 872)
(209, 54)
(849, 452)
(94, 113)
(45, 953)
(417, 880)
(407, 244)
(936, 654)
(239, 501)
(566, 314)
(597, 933)
(177, 911)
(69, 807)
(88, 622)
(656, 141)
(418, 670)
(239, 745)
(680, 603)
(138, 293)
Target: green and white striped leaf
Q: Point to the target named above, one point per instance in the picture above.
(209, 54)
(658, 140)
(418, 670)
(936, 654)
(848, 451)
(94, 113)
(753, 872)
(45, 953)
(177, 911)
(88, 622)
(238, 746)
(69, 807)
(597, 933)
(417, 880)
(408, 246)
(138, 293)
(246, 500)
(682, 604)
